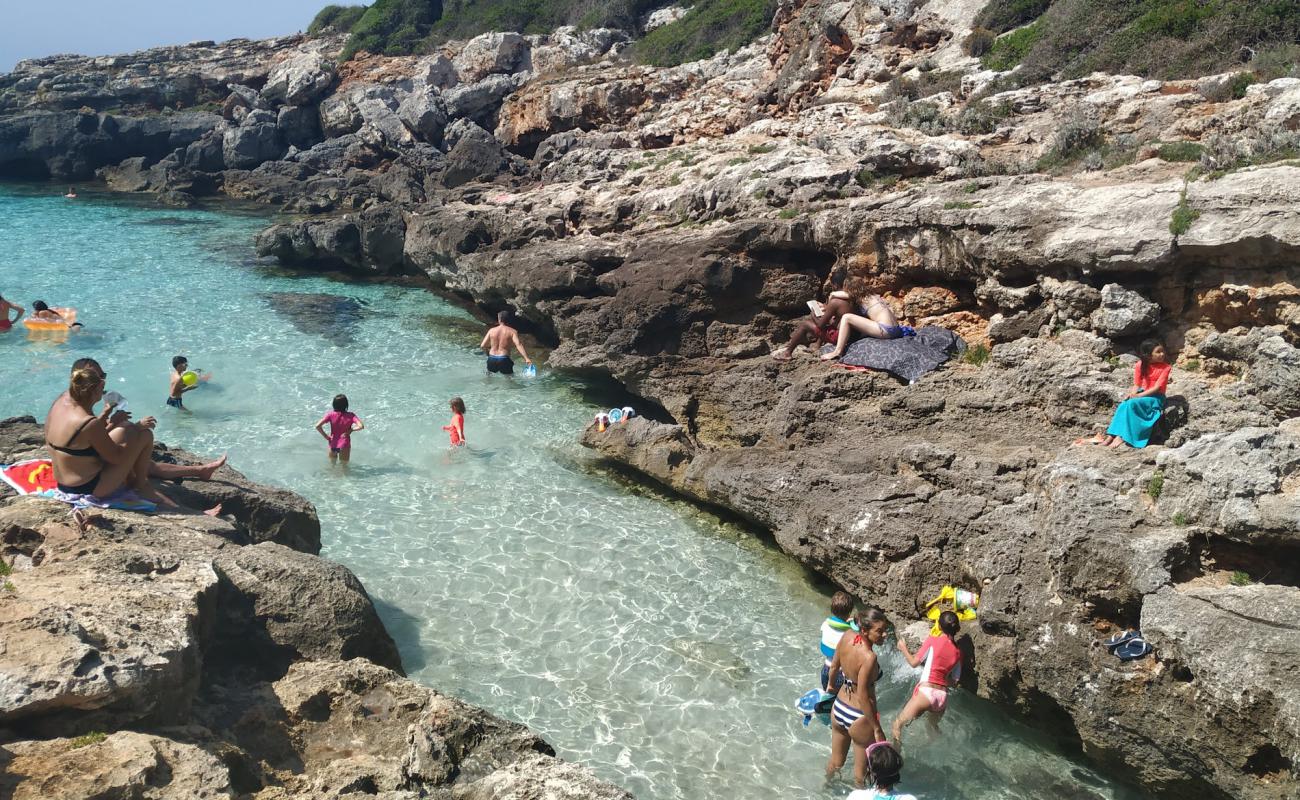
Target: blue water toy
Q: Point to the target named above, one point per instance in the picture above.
(615, 415)
(530, 370)
(814, 702)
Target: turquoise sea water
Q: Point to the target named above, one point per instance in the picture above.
(654, 643)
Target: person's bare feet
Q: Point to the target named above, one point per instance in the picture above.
(215, 511)
(780, 355)
(1114, 442)
(1094, 439)
(205, 474)
(832, 356)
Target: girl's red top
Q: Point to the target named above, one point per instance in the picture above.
(1155, 376)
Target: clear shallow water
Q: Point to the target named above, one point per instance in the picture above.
(654, 643)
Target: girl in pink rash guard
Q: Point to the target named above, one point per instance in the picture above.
(342, 425)
(942, 662)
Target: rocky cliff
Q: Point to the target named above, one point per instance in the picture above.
(180, 656)
(663, 228)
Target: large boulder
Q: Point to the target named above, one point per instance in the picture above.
(123, 765)
(338, 116)
(289, 606)
(436, 71)
(207, 154)
(476, 156)
(78, 652)
(256, 140)
(299, 126)
(383, 240)
(480, 101)
(402, 735)
(299, 79)
(1124, 312)
(424, 114)
(1275, 374)
(1238, 645)
(331, 243)
(490, 53)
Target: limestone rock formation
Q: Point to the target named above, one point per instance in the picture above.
(663, 227)
(167, 657)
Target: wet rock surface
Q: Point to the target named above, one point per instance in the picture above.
(173, 656)
(663, 227)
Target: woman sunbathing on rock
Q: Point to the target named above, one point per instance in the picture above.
(103, 453)
(854, 718)
(1142, 406)
(877, 320)
(823, 327)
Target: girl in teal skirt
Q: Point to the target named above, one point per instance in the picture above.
(1141, 408)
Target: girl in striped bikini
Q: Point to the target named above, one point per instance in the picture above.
(854, 718)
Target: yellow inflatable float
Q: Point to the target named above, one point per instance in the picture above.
(959, 601)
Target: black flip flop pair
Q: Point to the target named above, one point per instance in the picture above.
(1128, 646)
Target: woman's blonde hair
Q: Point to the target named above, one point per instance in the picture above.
(83, 384)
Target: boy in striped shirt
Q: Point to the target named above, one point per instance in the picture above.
(832, 629)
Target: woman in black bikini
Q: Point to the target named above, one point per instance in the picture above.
(854, 718)
(91, 455)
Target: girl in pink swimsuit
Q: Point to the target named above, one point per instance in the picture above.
(342, 424)
(942, 660)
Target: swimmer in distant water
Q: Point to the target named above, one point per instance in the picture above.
(343, 424)
(5, 321)
(497, 342)
(456, 429)
(72, 193)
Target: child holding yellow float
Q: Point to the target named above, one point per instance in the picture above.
(183, 380)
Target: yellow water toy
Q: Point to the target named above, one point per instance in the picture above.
(68, 319)
(960, 601)
(189, 377)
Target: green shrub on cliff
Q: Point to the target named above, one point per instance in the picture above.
(976, 356)
(393, 27)
(85, 740)
(1003, 15)
(339, 18)
(1011, 49)
(1184, 215)
(1154, 38)
(710, 27)
(462, 19)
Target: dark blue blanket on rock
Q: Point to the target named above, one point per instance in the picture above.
(909, 357)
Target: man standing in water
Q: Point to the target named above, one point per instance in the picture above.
(497, 342)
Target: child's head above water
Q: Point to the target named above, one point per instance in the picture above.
(885, 764)
(458, 405)
(340, 402)
(179, 363)
(39, 306)
(842, 604)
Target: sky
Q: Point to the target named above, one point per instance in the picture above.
(30, 28)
